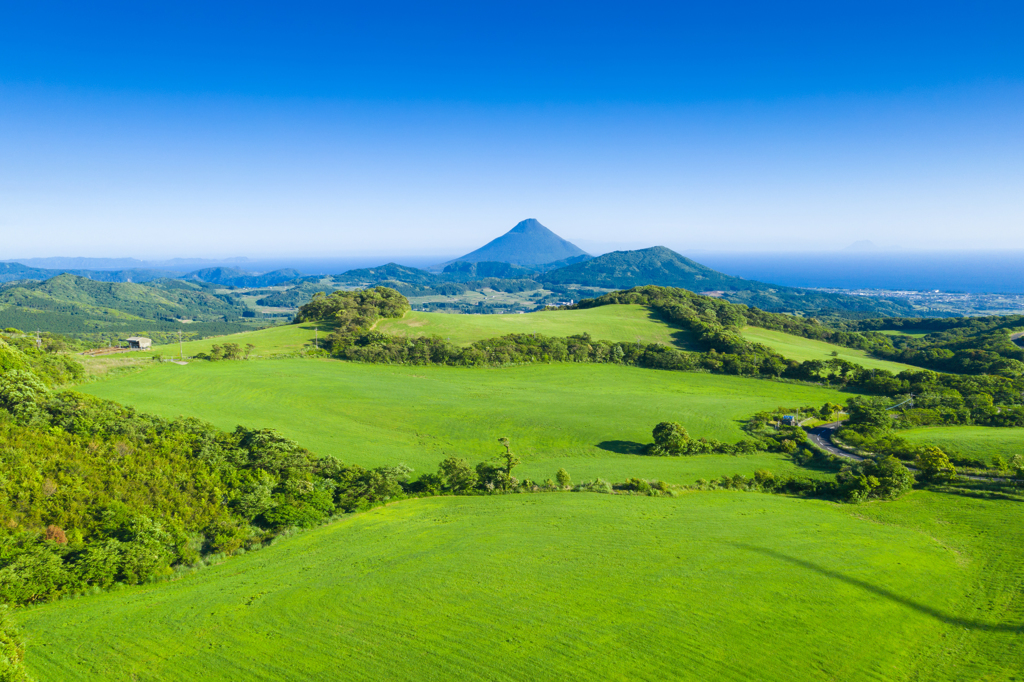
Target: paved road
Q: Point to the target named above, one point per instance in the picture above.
(822, 437)
(1017, 338)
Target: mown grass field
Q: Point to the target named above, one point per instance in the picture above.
(801, 349)
(611, 323)
(708, 586)
(976, 442)
(271, 341)
(592, 419)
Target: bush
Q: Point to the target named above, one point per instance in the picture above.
(596, 486)
(564, 481)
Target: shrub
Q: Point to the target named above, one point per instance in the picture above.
(563, 478)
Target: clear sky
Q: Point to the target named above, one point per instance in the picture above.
(329, 129)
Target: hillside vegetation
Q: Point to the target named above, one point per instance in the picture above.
(68, 304)
(710, 586)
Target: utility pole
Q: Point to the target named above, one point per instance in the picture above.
(181, 352)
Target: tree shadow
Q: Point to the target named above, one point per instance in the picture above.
(882, 592)
(622, 447)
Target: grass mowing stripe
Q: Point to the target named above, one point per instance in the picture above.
(710, 586)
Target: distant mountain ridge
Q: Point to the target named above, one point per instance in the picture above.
(239, 278)
(664, 267)
(657, 265)
(528, 243)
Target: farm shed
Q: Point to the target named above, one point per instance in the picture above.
(139, 342)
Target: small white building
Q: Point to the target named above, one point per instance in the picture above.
(139, 342)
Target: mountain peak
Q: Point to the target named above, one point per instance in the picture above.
(529, 225)
(528, 243)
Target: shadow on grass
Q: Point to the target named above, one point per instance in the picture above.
(882, 592)
(622, 447)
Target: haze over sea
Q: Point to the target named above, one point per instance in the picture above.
(968, 272)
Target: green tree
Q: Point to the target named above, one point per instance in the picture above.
(456, 474)
(563, 478)
(670, 437)
(249, 348)
(935, 464)
(511, 461)
(998, 463)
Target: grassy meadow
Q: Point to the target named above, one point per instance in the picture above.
(278, 340)
(976, 442)
(801, 349)
(707, 586)
(610, 323)
(592, 419)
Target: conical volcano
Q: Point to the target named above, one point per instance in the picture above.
(528, 243)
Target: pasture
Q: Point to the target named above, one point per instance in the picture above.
(629, 323)
(707, 586)
(271, 341)
(976, 442)
(589, 418)
(800, 349)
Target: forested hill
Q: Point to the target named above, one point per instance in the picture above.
(234, 277)
(660, 266)
(12, 272)
(69, 304)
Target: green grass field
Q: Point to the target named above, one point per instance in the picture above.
(268, 342)
(610, 323)
(707, 586)
(801, 349)
(588, 418)
(976, 442)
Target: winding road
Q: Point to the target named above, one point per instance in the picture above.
(822, 437)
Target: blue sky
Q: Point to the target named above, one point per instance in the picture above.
(176, 129)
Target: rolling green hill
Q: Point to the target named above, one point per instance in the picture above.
(800, 349)
(592, 419)
(709, 586)
(611, 323)
(976, 442)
